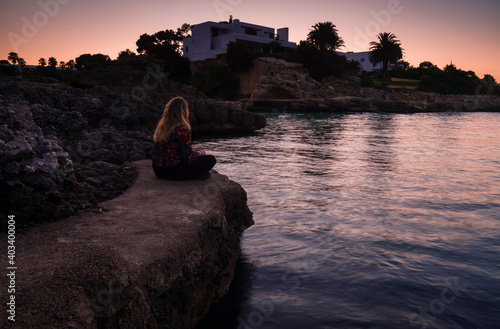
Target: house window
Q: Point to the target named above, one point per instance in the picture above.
(362, 60)
(250, 31)
(187, 49)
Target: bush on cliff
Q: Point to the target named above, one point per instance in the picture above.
(240, 55)
(366, 80)
(217, 82)
(451, 81)
(322, 64)
(488, 86)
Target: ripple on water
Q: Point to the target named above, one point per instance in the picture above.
(367, 221)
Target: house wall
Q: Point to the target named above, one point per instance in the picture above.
(362, 58)
(283, 34)
(210, 39)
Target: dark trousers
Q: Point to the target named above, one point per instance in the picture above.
(198, 169)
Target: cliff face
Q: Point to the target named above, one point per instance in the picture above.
(157, 256)
(64, 148)
(267, 67)
(276, 85)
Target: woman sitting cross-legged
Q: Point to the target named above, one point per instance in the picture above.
(173, 156)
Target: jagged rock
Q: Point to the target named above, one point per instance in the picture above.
(158, 256)
(283, 80)
(63, 148)
(286, 87)
(36, 177)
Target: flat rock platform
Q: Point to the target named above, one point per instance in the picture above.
(158, 256)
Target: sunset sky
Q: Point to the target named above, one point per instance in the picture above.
(464, 32)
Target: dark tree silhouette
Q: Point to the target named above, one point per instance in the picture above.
(490, 79)
(321, 64)
(125, 54)
(184, 30)
(13, 57)
(21, 62)
(70, 64)
(52, 62)
(167, 46)
(324, 36)
(89, 62)
(428, 65)
(450, 68)
(163, 42)
(386, 50)
(42, 62)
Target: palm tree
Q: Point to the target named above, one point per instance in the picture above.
(13, 57)
(386, 50)
(70, 64)
(52, 62)
(42, 62)
(21, 62)
(324, 37)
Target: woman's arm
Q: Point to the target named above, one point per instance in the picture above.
(185, 149)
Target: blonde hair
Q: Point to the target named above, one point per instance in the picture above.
(176, 113)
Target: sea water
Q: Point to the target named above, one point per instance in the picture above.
(366, 221)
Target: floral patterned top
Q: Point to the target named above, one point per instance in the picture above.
(175, 150)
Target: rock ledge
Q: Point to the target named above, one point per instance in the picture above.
(157, 256)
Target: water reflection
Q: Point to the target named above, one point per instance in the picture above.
(379, 143)
(224, 314)
(368, 215)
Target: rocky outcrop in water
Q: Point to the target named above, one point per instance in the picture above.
(157, 256)
(64, 148)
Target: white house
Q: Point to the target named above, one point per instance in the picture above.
(210, 39)
(362, 58)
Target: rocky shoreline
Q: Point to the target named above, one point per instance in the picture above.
(157, 256)
(64, 144)
(100, 241)
(64, 149)
(357, 104)
(280, 86)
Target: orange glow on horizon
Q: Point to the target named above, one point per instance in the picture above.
(462, 32)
